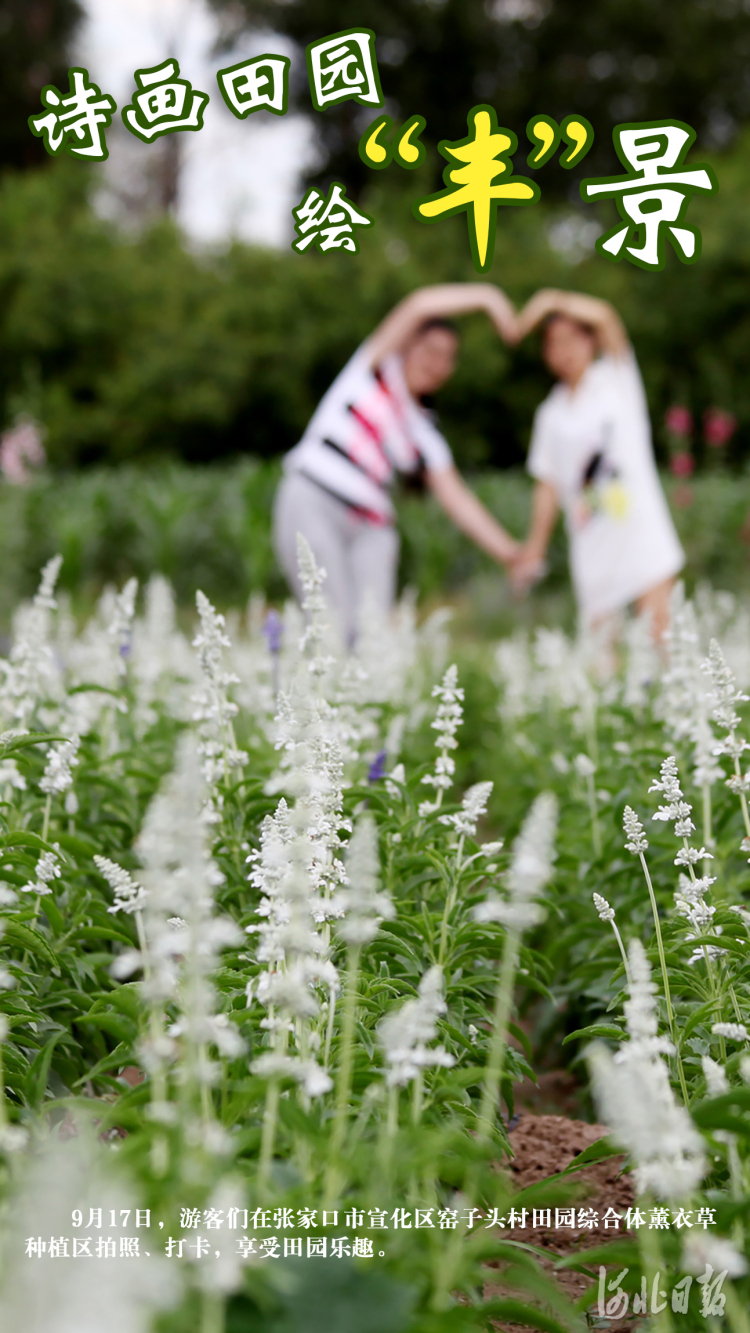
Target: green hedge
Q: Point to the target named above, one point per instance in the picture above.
(209, 527)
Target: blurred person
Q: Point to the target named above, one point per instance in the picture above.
(591, 454)
(370, 425)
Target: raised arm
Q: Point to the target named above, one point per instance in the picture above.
(441, 302)
(600, 315)
(469, 514)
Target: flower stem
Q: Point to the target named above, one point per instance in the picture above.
(651, 1256)
(665, 980)
(418, 1098)
(268, 1136)
(212, 1312)
(743, 798)
(344, 1076)
(450, 903)
(47, 814)
(596, 835)
(496, 1058)
(626, 965)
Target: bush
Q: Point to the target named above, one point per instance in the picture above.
(210, 527)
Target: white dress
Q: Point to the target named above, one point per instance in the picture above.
(593, 445)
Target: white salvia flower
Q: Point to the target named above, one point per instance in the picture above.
(312, 578)
(211, 639)
(447, 721)
(61, 759)
(362, 905)
(687, 697)
(225, 1273)
(275, 1064)
(10, 776)
(530, 869)
(213, 710)
(404, 1034)
(295, 869)
(606, 913)
(733, 1031)
(7, 982)
(636, 838)
(640, 1010)
(184, 938)
(31, 672)
(584, 767)
(120, 627)
(516, 677)
(641, 666)
(120, 1294)
(13, 1139)
(491, 848)
(727, 695)
(634, 1097)
(669, 784)
(702, 1251)
(47, 870)
(715, 1076)
(473, 806)
(689, 902)
(690, 856)
(129, 896)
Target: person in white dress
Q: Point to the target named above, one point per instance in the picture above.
(369, 426)
(591, 455)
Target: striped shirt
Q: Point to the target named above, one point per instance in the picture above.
(366, 428)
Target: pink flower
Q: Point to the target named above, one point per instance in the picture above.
(681, 464)
(718, 426)
(19, 446)
(678, 421)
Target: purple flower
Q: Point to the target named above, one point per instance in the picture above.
(377, 767)
(273, 629)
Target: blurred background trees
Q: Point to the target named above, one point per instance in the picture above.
(36, 38)
(612, 61)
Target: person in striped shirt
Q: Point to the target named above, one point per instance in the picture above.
(369, 426)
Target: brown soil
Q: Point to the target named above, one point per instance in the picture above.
(544, 1145)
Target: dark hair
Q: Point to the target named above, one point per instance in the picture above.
(436, 322)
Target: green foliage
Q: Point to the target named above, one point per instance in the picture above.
(35, 41)
(74, 1025)
(211, 526)
(132, 348)
(607, 61)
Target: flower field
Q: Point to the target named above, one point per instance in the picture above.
(287, 935)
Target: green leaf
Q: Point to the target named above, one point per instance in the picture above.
(596, 1030)
(35, 1084)
(119, 1026)
(27, 839)
(31, 940)
(30, 738)
(596, 1152)
(723, 1112)
(104, 933)
(121, 1055)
